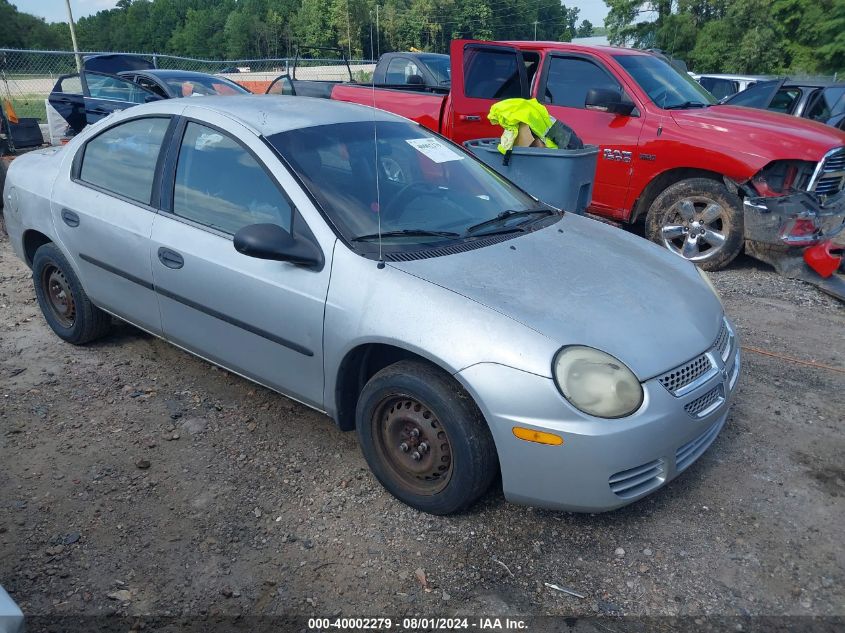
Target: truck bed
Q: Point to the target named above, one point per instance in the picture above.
(425, 108)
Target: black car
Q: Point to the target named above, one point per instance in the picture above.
(822, 101)
(172, 84)
(87, 98)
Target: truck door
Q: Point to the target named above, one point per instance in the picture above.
(482, 74)
(566, 78)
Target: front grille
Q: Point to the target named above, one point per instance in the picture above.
(828, 185)
(701, 406)
(830, 179)
(691, 451)
(682, 379)
(835, 162)
(685, 374)
(723, 341)
(638, 480)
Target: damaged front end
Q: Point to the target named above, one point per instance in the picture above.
(801, 235)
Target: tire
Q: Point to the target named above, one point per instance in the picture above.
(700, 220)
(460, 462)
(63, 302)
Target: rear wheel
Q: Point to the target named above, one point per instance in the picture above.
(424, 438)
(65, 306)
(699, 220)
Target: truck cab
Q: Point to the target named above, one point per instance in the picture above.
(668, 153)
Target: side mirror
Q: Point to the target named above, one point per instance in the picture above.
(270, 241)
(415, 80)
(151, 98)
(607, 100)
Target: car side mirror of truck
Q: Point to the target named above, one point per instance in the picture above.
(415, 80)
(607, 100)
(270, 241)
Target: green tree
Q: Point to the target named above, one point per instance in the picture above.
(585, 29)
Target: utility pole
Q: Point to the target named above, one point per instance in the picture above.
(371, 34)
(83, 80)
(535, 30)
(378, 41)
(73, 37)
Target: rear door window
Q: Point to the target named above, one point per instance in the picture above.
(223, 186)
(114, 88)
(491, 74)
(122, 160)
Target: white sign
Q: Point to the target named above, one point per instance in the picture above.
(434, 149)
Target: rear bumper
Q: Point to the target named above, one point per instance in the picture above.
(602, 464)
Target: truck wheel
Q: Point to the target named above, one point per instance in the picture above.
(698, 219)
(63, 302)
(424, 438)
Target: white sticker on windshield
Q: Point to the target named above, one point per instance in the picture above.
(434, 149)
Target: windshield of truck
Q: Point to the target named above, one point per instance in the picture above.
(425, 189)
(439, 67)
(664, 85)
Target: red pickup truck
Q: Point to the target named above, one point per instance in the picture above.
(668, 153)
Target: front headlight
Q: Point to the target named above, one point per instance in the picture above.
(597, 383)
(709, 282)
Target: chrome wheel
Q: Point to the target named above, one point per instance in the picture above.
(694, 228)
(59, 296)
(413, 444)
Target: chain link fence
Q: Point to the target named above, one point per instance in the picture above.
(27, 76)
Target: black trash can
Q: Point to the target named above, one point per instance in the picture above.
(562, 178)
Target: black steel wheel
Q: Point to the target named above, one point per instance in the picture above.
(424, 438)
(64, 304)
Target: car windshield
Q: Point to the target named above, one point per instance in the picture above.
(665, 86)
(422, 188)
(439, 67)
(204, 86)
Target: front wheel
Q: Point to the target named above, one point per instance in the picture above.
(424, 438)
(699, 220)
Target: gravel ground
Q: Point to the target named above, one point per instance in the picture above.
(137, 479)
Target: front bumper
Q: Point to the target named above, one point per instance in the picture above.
(795, 220)
(602, 464)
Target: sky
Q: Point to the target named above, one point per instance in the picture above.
(54, 10)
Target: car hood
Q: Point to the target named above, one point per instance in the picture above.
(582, 282)
(772, 135)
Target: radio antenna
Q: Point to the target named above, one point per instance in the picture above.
(378, 169)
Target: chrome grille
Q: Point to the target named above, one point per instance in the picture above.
(723, 341)
(691, 451)
(829, 177)
(638, 480)
(685, 374)
(682, 379)
(702, 405)
(835, 162)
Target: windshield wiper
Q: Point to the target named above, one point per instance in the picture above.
(685, 105)
(405, 233)
(506, 215)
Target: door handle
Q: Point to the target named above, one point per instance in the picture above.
(469, 117)
(70, 218)
(169, 258)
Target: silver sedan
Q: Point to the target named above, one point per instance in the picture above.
(360, 264)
